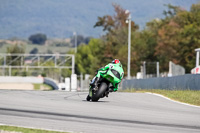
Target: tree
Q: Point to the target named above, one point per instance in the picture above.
(87, 40)
(189, 23)
(80, 39)
(172, 11)
(172, 38)
(168, 44)
(178, 36)
(89, 57)
(34, 51)
(15, 49)
(118, 21)
(115, 41)
(38, 38)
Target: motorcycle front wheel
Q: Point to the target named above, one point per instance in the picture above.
(99, 93)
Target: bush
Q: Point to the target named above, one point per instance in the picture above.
(38, 38)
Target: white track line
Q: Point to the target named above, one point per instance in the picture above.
(172, 100)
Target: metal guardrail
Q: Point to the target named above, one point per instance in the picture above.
(183, 82)
(51, 83)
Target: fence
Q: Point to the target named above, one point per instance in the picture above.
(50, 65)
(183, 82)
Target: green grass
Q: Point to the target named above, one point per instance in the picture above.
(186, 96)
(25, 130)
(42, 87)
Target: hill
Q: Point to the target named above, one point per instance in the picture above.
(59, 19)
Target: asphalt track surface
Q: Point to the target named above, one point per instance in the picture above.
(119, 113)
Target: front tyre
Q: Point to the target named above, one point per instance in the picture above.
(99, 93)
(88, 98)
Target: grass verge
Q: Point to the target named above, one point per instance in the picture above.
(42, 87)
(186, 96)
(24, 130)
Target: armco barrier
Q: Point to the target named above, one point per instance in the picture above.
(183, 82)
(51, 83)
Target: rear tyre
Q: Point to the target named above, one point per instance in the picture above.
(99, 93)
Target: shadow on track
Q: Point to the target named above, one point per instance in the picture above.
(96, 101)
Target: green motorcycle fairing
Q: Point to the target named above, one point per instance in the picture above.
(113, 73)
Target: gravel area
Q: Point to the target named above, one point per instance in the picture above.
(17, 86)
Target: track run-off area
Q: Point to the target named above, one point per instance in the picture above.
(119, 113)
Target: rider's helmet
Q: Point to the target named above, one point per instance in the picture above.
(115, 61)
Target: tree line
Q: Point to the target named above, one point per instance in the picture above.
(172, 38)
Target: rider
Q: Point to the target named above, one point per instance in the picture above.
(115, 63)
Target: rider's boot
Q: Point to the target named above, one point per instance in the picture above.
(94, 82)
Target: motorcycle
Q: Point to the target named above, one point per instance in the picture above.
(106, 84)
